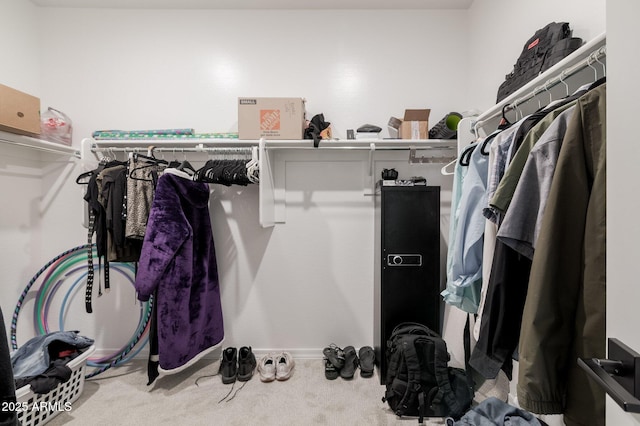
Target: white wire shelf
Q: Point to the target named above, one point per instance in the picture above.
(37, 144)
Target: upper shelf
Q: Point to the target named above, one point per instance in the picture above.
(196, 144)
(90, 147)
(38, 144)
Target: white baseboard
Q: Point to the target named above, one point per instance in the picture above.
(296, 353)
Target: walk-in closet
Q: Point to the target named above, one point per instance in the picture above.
(295, 228)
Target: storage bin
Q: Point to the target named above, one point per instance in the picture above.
(34, 409)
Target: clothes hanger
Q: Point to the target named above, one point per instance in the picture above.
(85, 175)
(566, 86)
(465, 157)
(186, 166)
(546, 88)
(445, 169)
(504, 121)
(518, 110)
(604, 68)
(106, 161)
(149, 161)
(589, 62)
(485, 143)
(253, 166)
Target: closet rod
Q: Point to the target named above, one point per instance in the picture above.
(596, 49)
(366, 148)
(589, 60)
(177, 150)
(180, 150)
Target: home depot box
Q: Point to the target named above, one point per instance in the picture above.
(19, 112)
(271, 118)
(415, 124)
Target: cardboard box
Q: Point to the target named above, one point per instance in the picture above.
(415, 124)
(271, 118)
(19, 112)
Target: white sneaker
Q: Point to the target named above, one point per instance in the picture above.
(267, 368)
(284, 365)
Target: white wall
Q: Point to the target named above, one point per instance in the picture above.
(623, 229)
(20, 180)
(307, 283)
(21, 66)
(183, 68)
(498, 30)
(298, 286)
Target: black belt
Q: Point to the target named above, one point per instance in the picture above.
(89, 288)
(90, 272)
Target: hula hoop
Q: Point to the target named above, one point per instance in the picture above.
(59, 269)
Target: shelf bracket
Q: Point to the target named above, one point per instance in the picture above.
(370, 186)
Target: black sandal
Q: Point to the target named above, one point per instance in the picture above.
(367, 358)
(334, 361)
(330, 371)
(350, 363)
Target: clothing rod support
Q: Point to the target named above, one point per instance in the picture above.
(414, 159)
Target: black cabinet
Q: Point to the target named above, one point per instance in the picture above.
(407, 275)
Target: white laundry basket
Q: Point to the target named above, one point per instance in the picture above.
(34, 409)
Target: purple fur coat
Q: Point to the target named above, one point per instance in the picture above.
(178, 260)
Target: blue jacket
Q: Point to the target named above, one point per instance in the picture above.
(32, 358)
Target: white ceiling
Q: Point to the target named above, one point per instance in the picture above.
(258, 4)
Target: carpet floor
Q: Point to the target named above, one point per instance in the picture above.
(120, 396)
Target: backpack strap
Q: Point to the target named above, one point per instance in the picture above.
(421, 407)
(394, 364)
(410, 355)
(441, 360)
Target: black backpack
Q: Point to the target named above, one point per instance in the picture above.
(419, 381)
(547, 47)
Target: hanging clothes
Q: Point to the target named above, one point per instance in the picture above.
(178, 263)
(504, 193)
(94, 196)
(521, 225)
(564, 314)
(498, 162)
(464, 272)
(141, 183)
(112, 189)
(507, 287)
